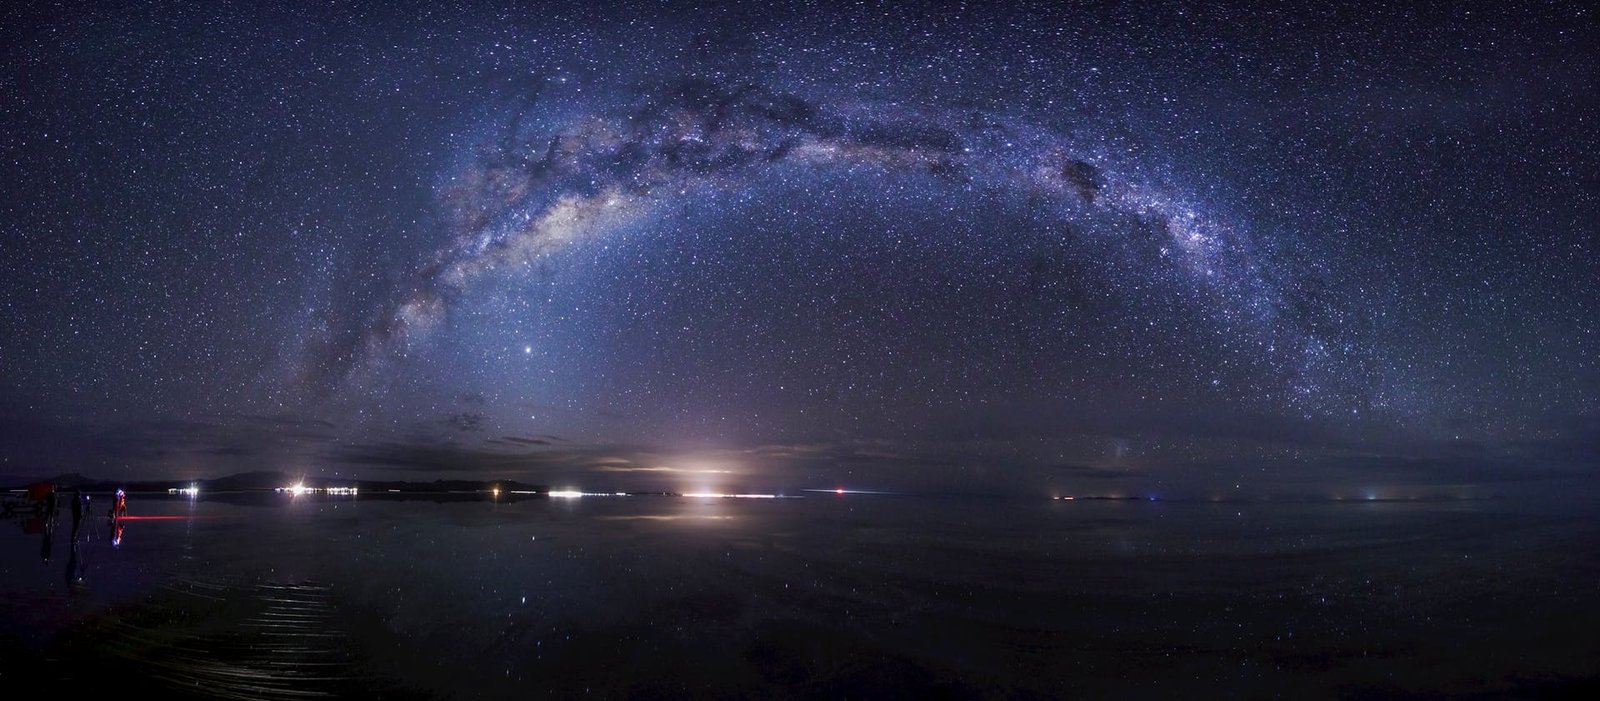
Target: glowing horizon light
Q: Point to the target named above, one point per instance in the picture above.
(298, 488)
(841, 491)
(566, 494)
(715, 495)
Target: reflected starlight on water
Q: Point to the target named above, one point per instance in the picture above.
(789, 587)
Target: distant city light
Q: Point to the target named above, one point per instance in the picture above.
(574, 494)
(717, 495)
(841, 491)
(300, 488)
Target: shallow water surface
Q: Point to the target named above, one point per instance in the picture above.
(268, 596)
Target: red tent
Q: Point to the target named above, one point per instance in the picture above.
(39, 491)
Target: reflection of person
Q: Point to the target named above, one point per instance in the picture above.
(78, 500)
(48, 540)
(74, 566)
(116, 535)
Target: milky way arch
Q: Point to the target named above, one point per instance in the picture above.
(532, 191)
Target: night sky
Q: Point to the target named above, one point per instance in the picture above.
(1048, 248)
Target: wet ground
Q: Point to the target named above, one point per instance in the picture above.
(273, 597)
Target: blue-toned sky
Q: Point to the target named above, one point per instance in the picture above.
(1046, 247)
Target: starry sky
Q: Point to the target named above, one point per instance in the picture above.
(952, 247)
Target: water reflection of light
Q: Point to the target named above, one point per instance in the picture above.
(669, 517)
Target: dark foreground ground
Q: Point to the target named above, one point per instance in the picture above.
(854, 597)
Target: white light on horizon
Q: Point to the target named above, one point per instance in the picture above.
(715, 495)
(841, 491)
